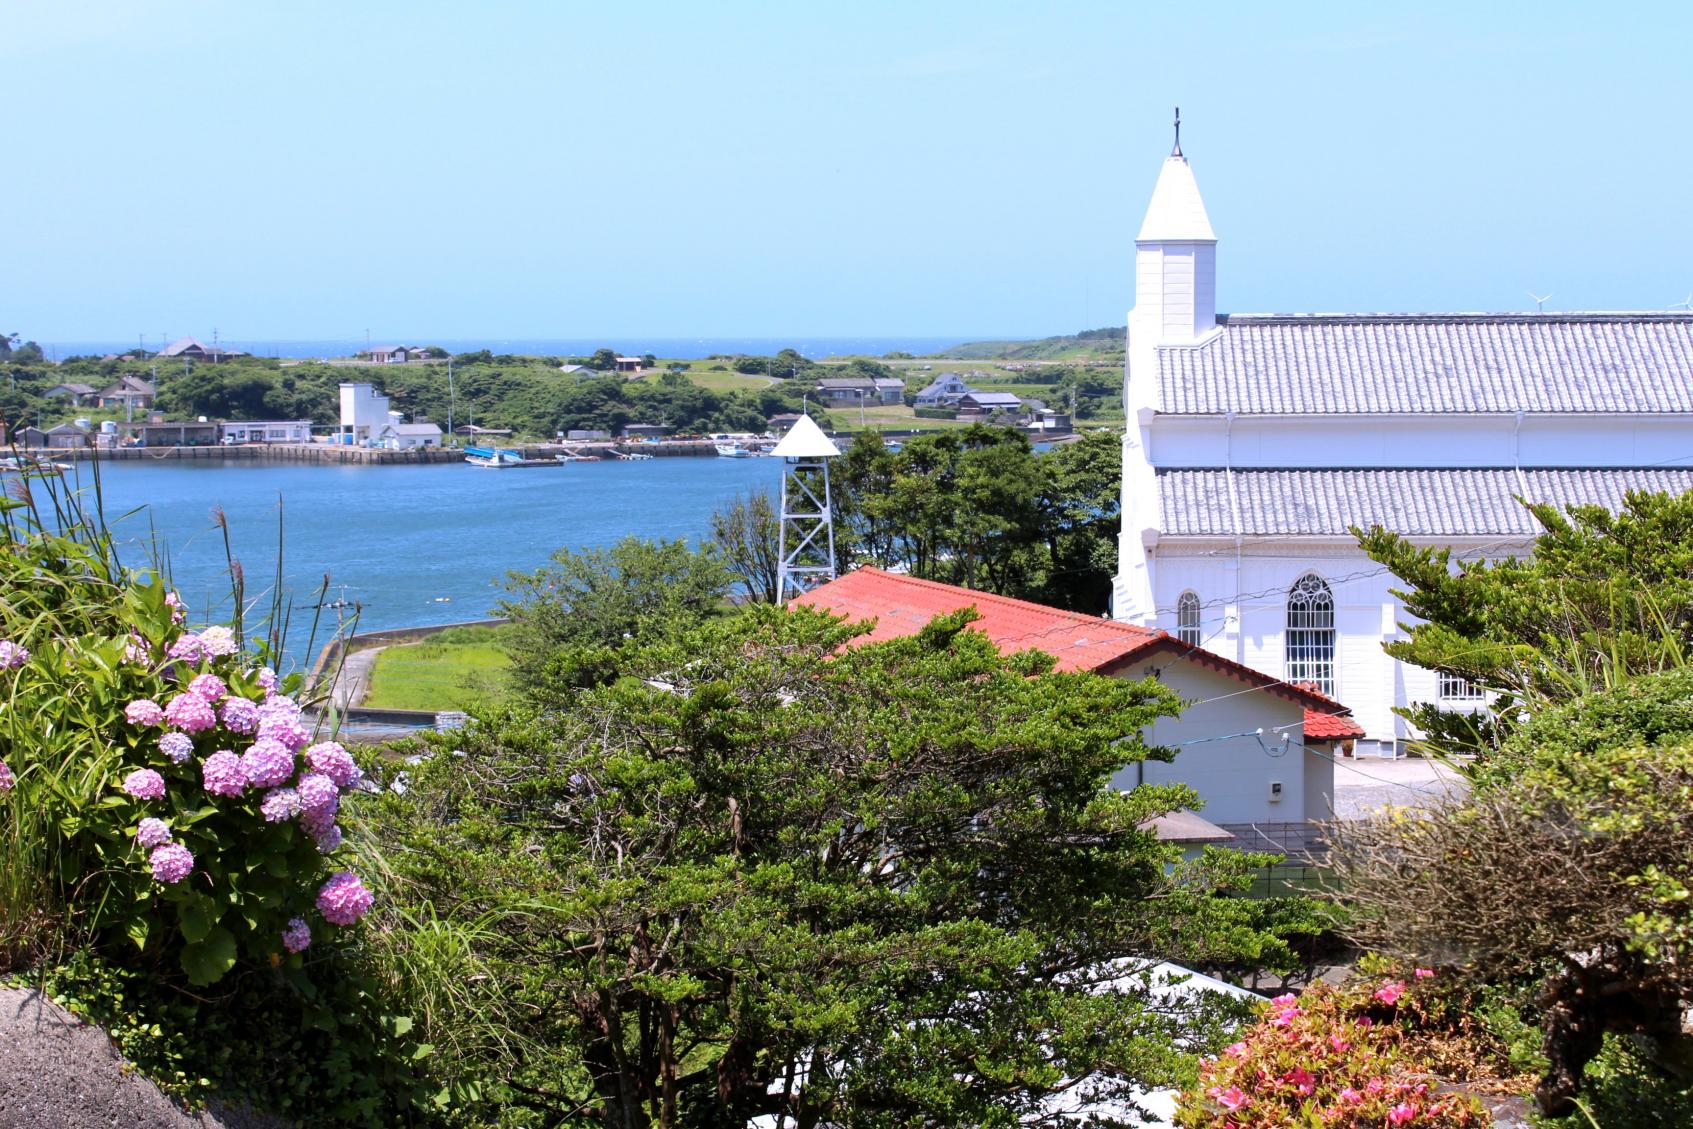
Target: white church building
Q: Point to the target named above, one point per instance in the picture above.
(1255, 441)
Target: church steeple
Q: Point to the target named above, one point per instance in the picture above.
(1175, 257)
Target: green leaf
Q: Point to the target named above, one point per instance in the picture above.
(207, 961)
(197, 917)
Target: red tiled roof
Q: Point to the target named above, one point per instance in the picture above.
(1331, 727)
(903, 605)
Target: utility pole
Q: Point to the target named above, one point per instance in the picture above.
(450, 399)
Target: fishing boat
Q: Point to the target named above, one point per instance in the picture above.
(575, 458)
(499, 458)
(734, 451)
(633, 457)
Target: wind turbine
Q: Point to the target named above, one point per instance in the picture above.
(1539, 301)
(1685, 304)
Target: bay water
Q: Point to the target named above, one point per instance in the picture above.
(412, 545)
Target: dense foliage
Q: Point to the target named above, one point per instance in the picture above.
(978, 507)
(759, 875)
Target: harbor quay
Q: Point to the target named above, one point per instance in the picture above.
(332, 454)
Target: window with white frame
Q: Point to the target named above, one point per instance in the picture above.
(1187, 619)
(1456, 689)
(1310, 633)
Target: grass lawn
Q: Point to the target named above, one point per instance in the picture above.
(452, 670)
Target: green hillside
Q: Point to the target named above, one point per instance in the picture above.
(1090, 344)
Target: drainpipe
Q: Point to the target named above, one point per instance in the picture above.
(1234, 513)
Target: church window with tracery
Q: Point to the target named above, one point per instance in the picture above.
(1187, 619)
(1310, 633)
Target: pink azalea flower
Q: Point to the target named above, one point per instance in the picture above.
(1338, 1043)
(1303, 1080)
(1230, 1099)
(1349, 1096)
(1401, 1113)
(1284, 1000)
(1390, 991)
(1235, 1050)
(1424, 973)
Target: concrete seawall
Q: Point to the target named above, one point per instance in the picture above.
(329, 454)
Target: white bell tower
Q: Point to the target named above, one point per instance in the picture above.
(806, 531)
(1175, 304)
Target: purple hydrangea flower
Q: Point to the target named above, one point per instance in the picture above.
(171, 862)
(190, 713)
(267, 763)
(178, 609)
(240, 715)
(209, 687)
(316, 823)
(343, 899)
(12, 654)
(219, 641)
(7, 780)
(177, 746)
(279, 720)
(334, 762)
(223, 774)
(152, 832)
(318, 794)
(298, 936)
(330, 840)
(188, 648)
(266, 677)
(144, 784)
(280, 804)
(144, 711)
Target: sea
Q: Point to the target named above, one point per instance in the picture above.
(400, 546)
(679, 348)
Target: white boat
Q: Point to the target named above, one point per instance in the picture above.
(633, 457)
(734, 451)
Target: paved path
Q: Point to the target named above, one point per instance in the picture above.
(1364, 784)
(60, 1072)
(353, 683)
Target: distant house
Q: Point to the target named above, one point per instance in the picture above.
(853, 389)
(75, 393)
(196, 350)
(987, 403)
(1046, 419)
(633, 365)
(29, 437)
(943, 392)
(578, 370)
(127, 392)
(1230, 736)
(160, 433)
(645, 431)
(409, 436)
(66, 437)
(394, 354)
(265, 431)
(577, 434)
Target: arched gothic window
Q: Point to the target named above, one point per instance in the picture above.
(1310, 633)
(1187, 619)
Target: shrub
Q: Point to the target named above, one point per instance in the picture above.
(1331, 1057)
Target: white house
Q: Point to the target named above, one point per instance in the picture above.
(265, 431)
(944, 391)
(364, 413)
(408, 436)
(394, 354)
(1257, 750)
(1256, 441)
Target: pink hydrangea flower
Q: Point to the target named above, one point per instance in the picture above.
(187, 648)
(219, 641)
(223, 774)
(316, 822)
(318, 794)
(330, 841)
(1390, 991)
(298, 936)
(7, 780)
(144, 711)
(343, 899)
(12, 655)
(190, 713)
(267, 763)
(280, 804)
(171, 862)
(178, 609)
(1401, 1113)
(279, 720)
(1230, 1099)
(240, 715)
(177, 746)
(334, 762)
(266, 677)
(209, 687)
(152, 832)
(144, 784)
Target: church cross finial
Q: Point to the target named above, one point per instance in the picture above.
(1177, 151)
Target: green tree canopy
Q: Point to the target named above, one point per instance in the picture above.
(888, 886)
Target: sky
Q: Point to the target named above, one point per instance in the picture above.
(553, 169)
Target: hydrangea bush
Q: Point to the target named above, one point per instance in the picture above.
(192, 809)
(1329, 1057)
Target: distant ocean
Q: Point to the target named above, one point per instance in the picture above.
(686, 348)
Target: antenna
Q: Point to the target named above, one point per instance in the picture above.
(1539, 301)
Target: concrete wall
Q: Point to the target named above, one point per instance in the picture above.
(1232, 776)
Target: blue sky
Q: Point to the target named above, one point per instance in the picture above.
(556, 169)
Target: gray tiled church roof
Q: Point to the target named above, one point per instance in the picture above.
(1373, 363)
(1428, 502)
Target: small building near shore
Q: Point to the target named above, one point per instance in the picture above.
(165, 433)
(364, 413)
(989, 403)
(394, 354)
(232, 432)
(128, 392)
(408, 436)
(67, 437)
(645, 431)
(632, 365)
(580, 434)
(1259, 751)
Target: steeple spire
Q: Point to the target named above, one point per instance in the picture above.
(1177, 151)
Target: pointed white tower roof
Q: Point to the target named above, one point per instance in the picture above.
(1177, 212)
(805, 440)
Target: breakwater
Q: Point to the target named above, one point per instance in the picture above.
(330, 454)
